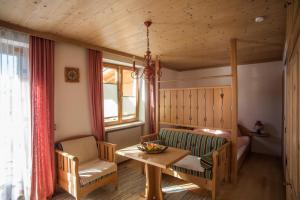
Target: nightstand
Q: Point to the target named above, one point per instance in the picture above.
(260, 135)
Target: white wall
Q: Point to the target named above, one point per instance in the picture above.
(191, 79)
(190, 76)
(168, 74)
(259, 96)
(71, 106)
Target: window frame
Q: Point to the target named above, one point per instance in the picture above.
(119, 69)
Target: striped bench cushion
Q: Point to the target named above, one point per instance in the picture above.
(200, 145)
(173, 137)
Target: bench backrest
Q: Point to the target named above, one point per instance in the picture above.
(184, 139)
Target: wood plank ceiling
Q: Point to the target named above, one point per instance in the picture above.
(187, 34)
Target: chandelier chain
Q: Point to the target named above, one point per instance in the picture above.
(148, 48)
(149, 70)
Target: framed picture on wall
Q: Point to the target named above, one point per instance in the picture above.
(72, 74)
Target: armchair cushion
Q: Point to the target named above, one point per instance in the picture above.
(90, 172)
(85, 149)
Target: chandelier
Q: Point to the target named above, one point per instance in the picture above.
(148, 72)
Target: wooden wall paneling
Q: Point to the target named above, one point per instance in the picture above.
(167, 106)
(289, 130)
(201, 108)
(292, 133)
(174, 106)
(217, 107)
(284, 121)
(209, 105)
(295, 126)
(194, 107)
(186, 106)
(180, 107)
(298, 110)
(226, 118)
(162, 106)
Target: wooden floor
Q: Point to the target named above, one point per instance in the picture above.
(259, 179)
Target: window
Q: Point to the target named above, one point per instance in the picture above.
(120, 94)
(15, 117)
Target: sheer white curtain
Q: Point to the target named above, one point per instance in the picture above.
(15, 118)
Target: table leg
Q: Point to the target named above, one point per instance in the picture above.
(153, 183)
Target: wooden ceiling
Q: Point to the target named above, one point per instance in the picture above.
(187, 34)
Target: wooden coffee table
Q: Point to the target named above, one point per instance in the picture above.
(154, 163)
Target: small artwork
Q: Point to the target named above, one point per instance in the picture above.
(72, 74)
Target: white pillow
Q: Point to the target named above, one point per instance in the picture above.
(190, 162)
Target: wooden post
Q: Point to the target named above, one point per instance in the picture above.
(234, 86)
(157, 87)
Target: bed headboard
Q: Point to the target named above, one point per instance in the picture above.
(206, 107)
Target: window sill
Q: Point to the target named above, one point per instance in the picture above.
(123, 126)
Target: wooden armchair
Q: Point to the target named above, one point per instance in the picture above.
(84, 164)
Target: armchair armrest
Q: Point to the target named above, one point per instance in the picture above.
(149, 137)
(65, 154)
(106, 151)
(67, 162)
(67, 175)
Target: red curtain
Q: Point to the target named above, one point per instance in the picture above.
(151, 90)
(152, 106)
(41, 58)
(96, 93)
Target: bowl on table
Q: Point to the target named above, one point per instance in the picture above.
(151, 148)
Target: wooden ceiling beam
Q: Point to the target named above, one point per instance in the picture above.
(234, 86)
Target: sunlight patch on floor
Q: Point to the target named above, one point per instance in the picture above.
(180, 188)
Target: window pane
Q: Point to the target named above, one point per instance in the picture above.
(129, 95)
(110, 91)
(110, 75)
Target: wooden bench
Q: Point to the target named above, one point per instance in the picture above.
(200, 146)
